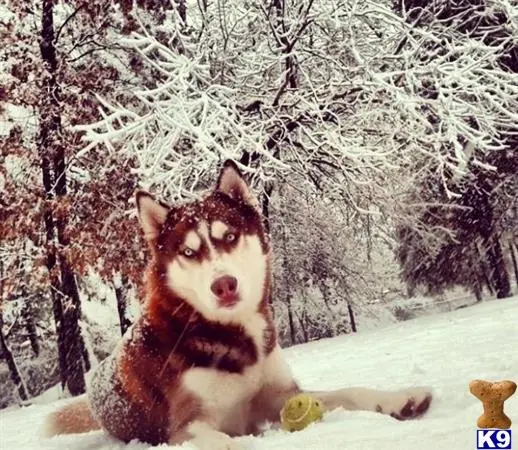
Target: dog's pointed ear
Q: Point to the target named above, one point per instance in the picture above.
(232, 183)
(152, 214)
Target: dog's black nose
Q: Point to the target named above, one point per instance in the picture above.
(225, 288)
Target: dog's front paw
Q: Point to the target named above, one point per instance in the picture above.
(408, 403)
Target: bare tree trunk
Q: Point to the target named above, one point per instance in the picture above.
(352, 320)
(5, 351)
(499, 275)
(57, 309)
(368, 231)
(79, 361)
(287, 283)
(65, 294)
(302, 323)
(121, 292)
(11, 364)
(477, 290)
(28, 319)
(268, 189)
(291, 322)
(487, 280)
(290, 62)
(512, 250)
(484, 271)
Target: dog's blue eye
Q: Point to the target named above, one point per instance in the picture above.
(189, 253)
(230, 237)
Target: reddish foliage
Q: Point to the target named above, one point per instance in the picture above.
(100, 230)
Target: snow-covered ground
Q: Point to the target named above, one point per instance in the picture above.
(445, 352)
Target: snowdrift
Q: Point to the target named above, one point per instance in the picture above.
(445, 351)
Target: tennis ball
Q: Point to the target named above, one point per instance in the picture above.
(300, 411)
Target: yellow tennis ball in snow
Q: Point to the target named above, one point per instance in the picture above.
(299, 411)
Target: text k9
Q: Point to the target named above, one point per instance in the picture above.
(499, 439)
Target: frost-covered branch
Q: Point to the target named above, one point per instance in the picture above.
(365, 103)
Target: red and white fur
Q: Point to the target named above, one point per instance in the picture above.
(203, 364)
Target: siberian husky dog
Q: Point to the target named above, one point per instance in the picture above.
(202, 363)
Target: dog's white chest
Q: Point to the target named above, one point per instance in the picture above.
(225, 396)
(223, 390)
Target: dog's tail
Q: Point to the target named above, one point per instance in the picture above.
(75, 417)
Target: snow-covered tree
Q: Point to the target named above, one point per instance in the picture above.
(348, 98)
(469, 207)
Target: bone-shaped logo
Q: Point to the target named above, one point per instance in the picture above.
(493, 396)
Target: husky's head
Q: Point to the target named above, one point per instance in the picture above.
(212, 253)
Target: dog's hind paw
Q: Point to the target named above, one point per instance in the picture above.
(408, 403)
